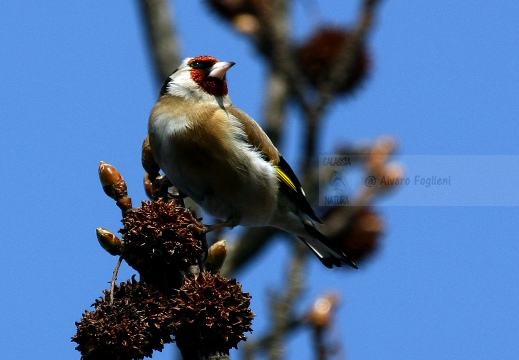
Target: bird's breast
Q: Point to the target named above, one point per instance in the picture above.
(202, 155)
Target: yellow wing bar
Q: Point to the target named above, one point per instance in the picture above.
(284, 177)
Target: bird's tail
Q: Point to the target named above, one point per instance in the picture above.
(327, 253)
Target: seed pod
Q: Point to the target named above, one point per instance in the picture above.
(362, 238)
(320, 54)
(392, 175)
(323, 309)
(216, 256)
(138, 322)
(109, 241)
(112, 181)
(211, 314)
(148, 161)
(148, 186)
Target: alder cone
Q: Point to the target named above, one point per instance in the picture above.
(320, 53)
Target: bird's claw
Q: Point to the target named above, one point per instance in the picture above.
(199, 228)
(204, 229)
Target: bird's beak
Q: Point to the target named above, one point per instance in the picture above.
(219, 69)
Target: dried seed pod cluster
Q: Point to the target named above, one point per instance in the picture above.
(157, 237)
(244, 14)
(320, 53)
(164, 242)
(363, 236)
(138, 322)
(211, 313)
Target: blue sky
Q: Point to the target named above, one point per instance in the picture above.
(77, 88)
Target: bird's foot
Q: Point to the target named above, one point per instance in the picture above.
(203, 229)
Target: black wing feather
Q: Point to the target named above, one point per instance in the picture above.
(298, 196)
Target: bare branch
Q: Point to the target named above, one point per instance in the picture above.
(248, 247)
(275, 105)
(348, 53)
(283, 307)
(160, 28)
(262, 344)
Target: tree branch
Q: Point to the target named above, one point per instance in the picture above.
(283, 306)
(160, 29)
(275, 105)
(248, 247)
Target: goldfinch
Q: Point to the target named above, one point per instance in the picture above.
(220, 157)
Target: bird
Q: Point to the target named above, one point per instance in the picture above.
(217, 155)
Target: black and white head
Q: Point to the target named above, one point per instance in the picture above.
(200, 78)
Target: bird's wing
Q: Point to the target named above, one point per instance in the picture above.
(293, 188)
(289, 182)
(255, 134)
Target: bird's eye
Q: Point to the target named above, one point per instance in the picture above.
(200, 65)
